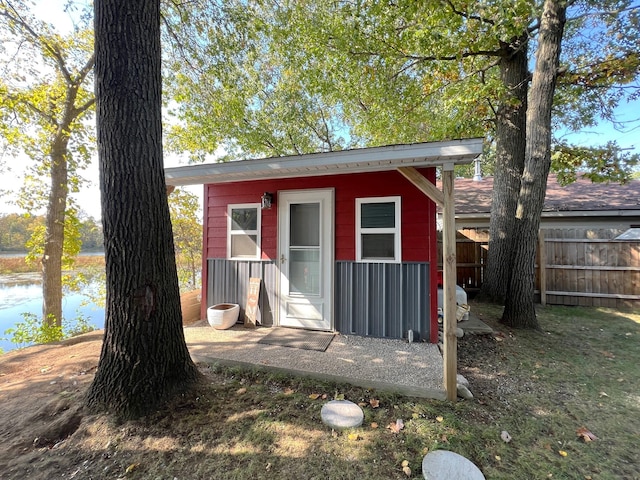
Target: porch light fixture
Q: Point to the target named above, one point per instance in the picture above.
(266, 200)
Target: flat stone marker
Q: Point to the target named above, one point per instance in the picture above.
(341, 414)
(445, 465)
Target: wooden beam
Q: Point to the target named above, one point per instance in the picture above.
(450, 341)
(422, 184)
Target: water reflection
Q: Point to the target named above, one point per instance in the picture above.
(22, 293)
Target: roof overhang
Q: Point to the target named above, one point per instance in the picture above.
(361, 160)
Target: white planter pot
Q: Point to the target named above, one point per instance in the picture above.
(223, 315)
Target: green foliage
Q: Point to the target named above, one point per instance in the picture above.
(258, 78)
(608, 163)
(19, 232)
(187, 237)
(32, 330)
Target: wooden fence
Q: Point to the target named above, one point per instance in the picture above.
(581, 266)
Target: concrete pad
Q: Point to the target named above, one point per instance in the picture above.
(475, 325)
(445, 465)
(341, 414)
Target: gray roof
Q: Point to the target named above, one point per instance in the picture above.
(372, 159)
(581, 196)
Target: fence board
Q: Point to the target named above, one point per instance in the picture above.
(584, 266)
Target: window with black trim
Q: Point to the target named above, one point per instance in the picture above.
(243, 231)
(378, 229)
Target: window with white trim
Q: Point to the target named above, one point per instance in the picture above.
(378, 229)
(243, 231)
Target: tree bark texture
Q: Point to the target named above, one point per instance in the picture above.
(511, 118)
(519, 309)
(144, 359)
(54, 233)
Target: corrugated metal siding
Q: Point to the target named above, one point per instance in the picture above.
(228, 282)
(383, 299)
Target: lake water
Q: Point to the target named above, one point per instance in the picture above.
(22, 293)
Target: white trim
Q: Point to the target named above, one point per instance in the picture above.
(257, 232)
(396, 231)
(359, 160)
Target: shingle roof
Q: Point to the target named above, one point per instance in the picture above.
(582, 195)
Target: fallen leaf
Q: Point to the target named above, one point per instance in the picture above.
(339, 397)
(607, 354)
(362, 404)
(375, 403)
(562, 453)
(439, 418)
(314, 396)
(397, 426)
(407, 471)
(405, 463)
(498, 458)
(288, 391)
(585, 434)
(444, 438)
(603, 394)
(324, 396)
(353, 437)
(241, 391)
(132, 467)
(374, 425)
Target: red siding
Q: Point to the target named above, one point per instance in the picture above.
(418, 212)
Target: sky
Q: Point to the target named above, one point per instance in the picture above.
(89, 200)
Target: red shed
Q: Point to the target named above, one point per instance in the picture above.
(343, 241)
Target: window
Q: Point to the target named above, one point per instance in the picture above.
(243, 231)
(378, 229)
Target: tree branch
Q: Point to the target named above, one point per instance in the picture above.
(37, 38)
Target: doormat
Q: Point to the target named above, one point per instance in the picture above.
(298, 338)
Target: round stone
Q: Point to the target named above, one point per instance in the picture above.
(341, 414)
(444, 465)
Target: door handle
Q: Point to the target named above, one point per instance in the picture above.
(282, 258)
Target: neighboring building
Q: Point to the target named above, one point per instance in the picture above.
(343, 241)
(591, 249)
(581, 204)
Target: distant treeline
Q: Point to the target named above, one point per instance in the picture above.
(16, 229)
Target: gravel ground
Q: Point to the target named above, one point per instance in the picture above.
(412, 369)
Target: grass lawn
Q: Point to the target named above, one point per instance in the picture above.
(580, 372)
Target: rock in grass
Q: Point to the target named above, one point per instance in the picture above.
(444, 465)
(461, 380)
(341, 414)
(464, 392)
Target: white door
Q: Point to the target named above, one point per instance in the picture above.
(305, 248)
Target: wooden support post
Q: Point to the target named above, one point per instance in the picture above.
(542, 265)
(450, 341)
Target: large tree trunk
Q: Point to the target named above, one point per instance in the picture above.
(511, 120)
(519, 309)
(54, 235)
(144, 359)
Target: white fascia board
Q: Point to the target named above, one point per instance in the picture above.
(329, 163)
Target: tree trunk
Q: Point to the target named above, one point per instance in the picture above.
(510, 150)
(144, 359)
(519, 309)
(54, 235)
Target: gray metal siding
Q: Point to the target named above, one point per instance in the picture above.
(228, 282)
(371, 299)
(383, 299)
